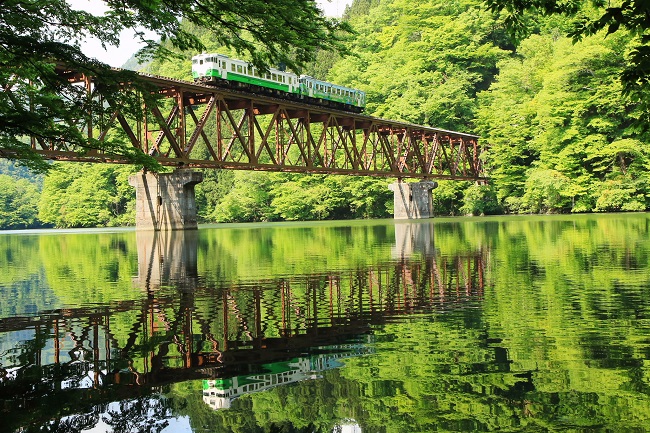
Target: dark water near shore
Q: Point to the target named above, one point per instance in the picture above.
(485, 324)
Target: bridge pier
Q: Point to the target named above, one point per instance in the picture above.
(412, 200)
(165, 201)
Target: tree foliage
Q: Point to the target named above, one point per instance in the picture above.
(87, 195)
(590, 18)
(18, 203)
(278, 196)
(562, 136)
(37, 36)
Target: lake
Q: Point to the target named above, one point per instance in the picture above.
(533, 323)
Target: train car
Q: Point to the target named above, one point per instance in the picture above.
(318, 89)
(220, 70)
(212, 68)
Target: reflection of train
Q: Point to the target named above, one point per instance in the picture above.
(219, 393)
(218, 69)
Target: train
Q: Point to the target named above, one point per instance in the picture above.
(220, 70)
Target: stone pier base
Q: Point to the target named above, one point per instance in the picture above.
(165, 201)
(413, 200)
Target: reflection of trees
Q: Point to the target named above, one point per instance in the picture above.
(71, 424)
(558, 333)
(145, 415)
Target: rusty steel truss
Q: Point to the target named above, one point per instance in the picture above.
(194, 125)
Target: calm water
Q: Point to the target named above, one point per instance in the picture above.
(512, 324)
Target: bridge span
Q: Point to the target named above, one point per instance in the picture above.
(189, 125)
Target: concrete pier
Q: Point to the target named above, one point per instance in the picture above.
(413, 200)
(166, 201)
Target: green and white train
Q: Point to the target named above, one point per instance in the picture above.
(220, 70)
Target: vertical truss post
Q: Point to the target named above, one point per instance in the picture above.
(182, 125)
(252, 155)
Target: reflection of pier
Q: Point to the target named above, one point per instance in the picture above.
(413, 238)
(167, 258)
(220, 330)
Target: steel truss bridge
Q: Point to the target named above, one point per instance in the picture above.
(195, 125)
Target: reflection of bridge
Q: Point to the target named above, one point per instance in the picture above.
(192, 125)
(184, 328)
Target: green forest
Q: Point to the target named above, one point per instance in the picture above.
(561, 133)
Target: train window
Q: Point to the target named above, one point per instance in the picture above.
(274, 77)
(232, 66)
(239, 68)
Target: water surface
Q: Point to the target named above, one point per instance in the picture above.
(490, 324)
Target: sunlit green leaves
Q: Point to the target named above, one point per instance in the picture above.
(555, 140)
(18, 203)
(86, 195)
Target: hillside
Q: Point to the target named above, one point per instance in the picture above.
(561, 137)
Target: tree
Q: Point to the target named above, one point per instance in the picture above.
(562, 136)
(422, 62)
(87, 195)
(36, 36)
(18, 203)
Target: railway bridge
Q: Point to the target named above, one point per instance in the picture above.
(189, 125)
